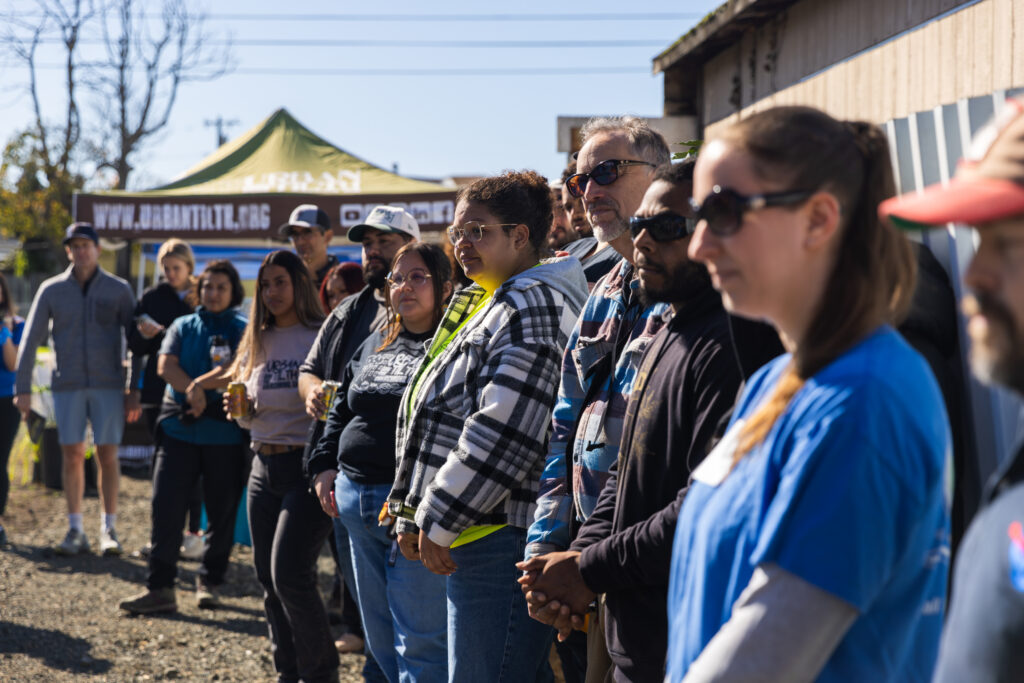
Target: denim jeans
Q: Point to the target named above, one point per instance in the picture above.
(402, 603)
(491, 636)
(288, 529)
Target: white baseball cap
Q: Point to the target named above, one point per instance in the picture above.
(386, 219)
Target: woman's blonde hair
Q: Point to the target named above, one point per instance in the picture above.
(307, 307)
(873, 278)
(181, 250)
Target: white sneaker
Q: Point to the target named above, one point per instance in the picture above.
(192, 547)
(73, 544)
(109, 545)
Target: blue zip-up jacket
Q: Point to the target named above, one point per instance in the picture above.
(595, 447)
(89, 330)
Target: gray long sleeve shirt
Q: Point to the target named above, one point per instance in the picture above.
(88, 329)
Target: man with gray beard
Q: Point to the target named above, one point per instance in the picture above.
(985, 624)
(615, 167)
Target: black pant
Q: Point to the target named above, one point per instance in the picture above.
(9, 420)
(288, 528)
(195, 501)
(178, 467)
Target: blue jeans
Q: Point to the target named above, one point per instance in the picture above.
(401, 602)
(491, 636)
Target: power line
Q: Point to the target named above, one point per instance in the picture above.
(315, 42)
(650, 16)
(524, 71)
(516, 71)
(655, 16)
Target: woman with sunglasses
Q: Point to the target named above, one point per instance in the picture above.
(473, 425)
(287, 526)
(402, 603)
(813, 542)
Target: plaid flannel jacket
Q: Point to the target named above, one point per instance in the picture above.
(595, 447)
(471, 445)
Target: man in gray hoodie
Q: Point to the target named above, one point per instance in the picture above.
(91, 312)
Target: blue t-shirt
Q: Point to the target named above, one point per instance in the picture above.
(847, 491)
(189, 338)
(7, 376)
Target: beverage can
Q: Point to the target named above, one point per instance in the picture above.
(238, 404)
(330, 388)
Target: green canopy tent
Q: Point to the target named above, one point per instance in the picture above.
(248, 187)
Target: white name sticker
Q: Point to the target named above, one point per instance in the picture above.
(716, 466)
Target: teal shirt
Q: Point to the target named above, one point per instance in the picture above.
(188, 338)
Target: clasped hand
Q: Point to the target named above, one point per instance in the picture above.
(555, 591)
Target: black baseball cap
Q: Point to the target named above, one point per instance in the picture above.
(306, 216)
(81, 230)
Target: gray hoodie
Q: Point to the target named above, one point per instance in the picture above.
(89, 331)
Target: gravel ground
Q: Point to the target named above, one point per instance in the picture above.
(59, 618)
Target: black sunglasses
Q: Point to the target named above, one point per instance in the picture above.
(605, 173)
(723, 208)
(663, 227)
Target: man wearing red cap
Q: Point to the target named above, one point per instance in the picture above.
(985, 628)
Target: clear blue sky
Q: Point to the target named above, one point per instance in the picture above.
(430, 125)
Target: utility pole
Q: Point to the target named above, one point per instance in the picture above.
(221, 125)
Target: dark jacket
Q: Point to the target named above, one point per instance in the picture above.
(348, 326)
(688, 380)
(163, 304)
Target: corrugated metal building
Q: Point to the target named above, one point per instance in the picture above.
(931, 72)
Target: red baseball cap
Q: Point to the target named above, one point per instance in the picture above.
(988, 185)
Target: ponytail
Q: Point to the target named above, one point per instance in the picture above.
(873, 278)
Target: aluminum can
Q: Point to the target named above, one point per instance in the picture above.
(238, 406)
(330, 388)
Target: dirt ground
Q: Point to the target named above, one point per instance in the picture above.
(59, 619)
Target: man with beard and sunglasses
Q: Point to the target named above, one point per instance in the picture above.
(384, 231)
(687, 381)
(985, 622)
(600, 361)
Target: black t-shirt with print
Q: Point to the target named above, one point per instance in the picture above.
(374, 382)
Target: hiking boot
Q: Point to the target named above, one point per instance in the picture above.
(151, 602)
(109, 545)
(207, 596)
(74, 543)
(192, 547)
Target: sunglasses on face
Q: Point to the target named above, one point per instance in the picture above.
(473, 231)
(723, 208)
(417, 278)
(663, 227)
(605, 173)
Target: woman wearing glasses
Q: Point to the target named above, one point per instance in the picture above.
(473, 425)
(401, 602)
(813, 543)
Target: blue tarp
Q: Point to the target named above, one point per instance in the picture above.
(247, 259)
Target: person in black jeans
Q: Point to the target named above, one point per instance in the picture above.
(11, 327)
(195, 439)
(160, 305)
(288, 527)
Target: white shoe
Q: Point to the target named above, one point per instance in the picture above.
(73, 544)
(109, 545)
(192, 547)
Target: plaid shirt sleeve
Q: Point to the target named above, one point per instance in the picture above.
(550, 529)
(505, 438)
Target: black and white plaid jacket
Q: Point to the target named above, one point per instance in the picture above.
(471, 446)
